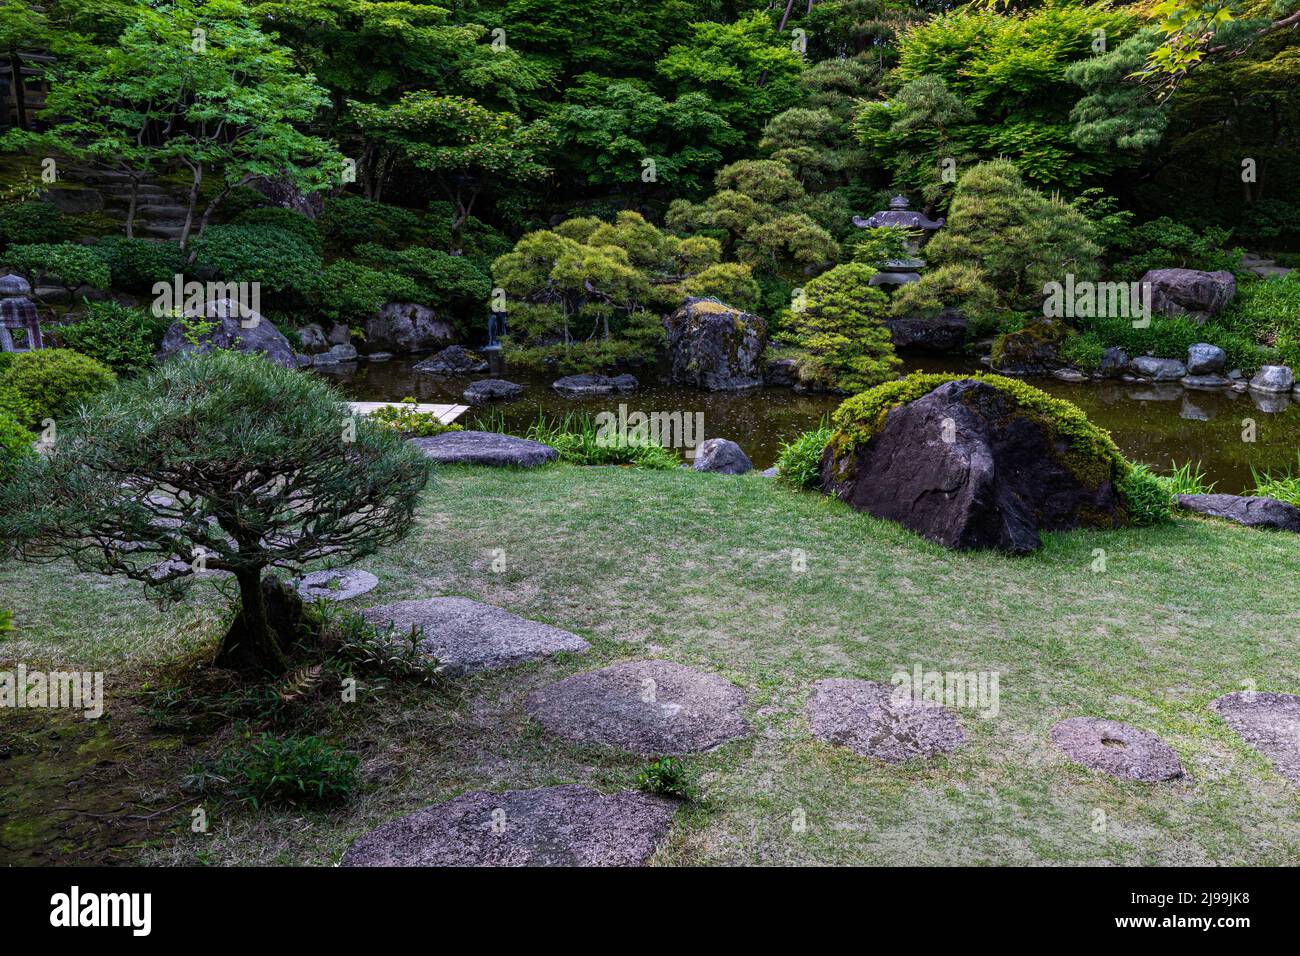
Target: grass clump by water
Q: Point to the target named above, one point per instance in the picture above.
(580, 440)
(1284, 486)
(799, 464)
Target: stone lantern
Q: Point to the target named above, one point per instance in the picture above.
(17, 311)
(901, 271)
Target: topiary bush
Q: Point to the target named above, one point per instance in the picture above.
(444, 280)
(32, 222)
(137, 264)
(15, 444)
(49, 384)
(287, 219)
(839, 327)
(1091, 455)
(349, 221)
(67, 264)
(116, 335)
(351, 293)
(280, 261)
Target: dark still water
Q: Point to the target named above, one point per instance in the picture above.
(1154, 424)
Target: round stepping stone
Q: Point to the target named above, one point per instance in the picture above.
(466, 636)
(1268, 722)
(485, 448)
(870, 720)
(652, 708)
(1117, 749)
(341, 584)
(552, 826)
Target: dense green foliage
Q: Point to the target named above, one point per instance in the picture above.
(838, 326)
(16, 443)
(48, 384)
(120, 337)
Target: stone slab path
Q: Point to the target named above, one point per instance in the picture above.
(553, 826)
(870, 720)
(1118, 749)
(652, 708)
(467, 636)
(485, 448)
(1268, 722)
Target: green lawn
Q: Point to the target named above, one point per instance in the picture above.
(698, 569)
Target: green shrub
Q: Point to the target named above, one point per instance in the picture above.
(799, 464)
(1146, 496)
(667, 777)
(1083, 350)
(68, 264)
(1267, 311)
(839, 327)
(15, 444)
(289, 770)
(286, 219)
(349, 221)
(32, 222)
(352, 293)
(443, 279)
(1165, 244)
(404, 419)
(50, 383)
(139, 263)
(282, 262)
(729, 282)
(957, 286)
(120, 337)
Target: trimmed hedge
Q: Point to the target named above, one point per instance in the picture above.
(15, 445)
(281, 261)
(49, 383)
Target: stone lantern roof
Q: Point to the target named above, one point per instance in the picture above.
(898, 215)
(14, 285)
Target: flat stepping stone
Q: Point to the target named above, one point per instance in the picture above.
(1268, 722)
(652, 708)
(1118, 749)
(485, 448)
(341, 584)
(1249, 511)
(868, 718)
(579, 386)
(552, 826)
(466, 636)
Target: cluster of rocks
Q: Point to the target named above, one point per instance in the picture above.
(1205, 367)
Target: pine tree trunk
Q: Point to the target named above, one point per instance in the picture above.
(250, 644)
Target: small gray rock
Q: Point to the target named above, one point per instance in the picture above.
(879, 720)
(1114, 361)
(722, 456)
(781, 373)
(1158, 369)
(336, 585)
(1205, 381)
(770, 472)
(590, 384)
(1117, 749)
(569, 825)
(453, 360)
(466, 636)
(336, 355)
(1206, 359)
(1069, 375)
(485, 448)
(1270, 723)
(491, 389)
(1273, 378)
(1249, 511)
(652, 708)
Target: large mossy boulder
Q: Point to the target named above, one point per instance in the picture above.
(1032, 350)
(225, 324)
(715, 346)
(974, 463)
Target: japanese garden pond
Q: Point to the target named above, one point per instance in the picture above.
(1152, 423)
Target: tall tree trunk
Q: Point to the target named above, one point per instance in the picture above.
(251, 644)
(20, 93)
(192, 202)
(130, 208)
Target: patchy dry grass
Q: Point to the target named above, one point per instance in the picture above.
(699, 569)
